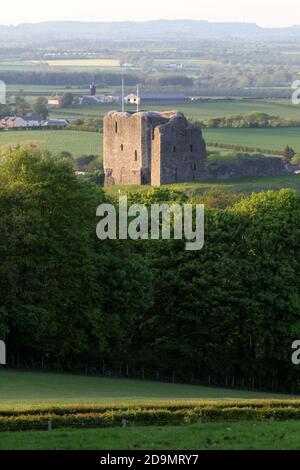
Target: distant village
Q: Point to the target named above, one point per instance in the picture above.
(93, 99)
(32, 122)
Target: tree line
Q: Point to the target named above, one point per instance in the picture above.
(102, 79)
(231, 309)
(253, 120)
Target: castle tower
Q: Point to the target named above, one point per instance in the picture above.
(93, 89)
(152, 148)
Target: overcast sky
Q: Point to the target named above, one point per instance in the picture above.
(262, 12)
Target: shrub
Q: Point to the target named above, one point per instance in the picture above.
(169, 414)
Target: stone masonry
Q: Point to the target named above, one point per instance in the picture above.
(152, 148)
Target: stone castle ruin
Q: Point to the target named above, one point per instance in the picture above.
(162, 148)
(152, 148)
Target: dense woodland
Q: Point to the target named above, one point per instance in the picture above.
(231, 309)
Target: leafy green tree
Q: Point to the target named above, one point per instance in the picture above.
(288, 154)
(5, 110)
(22, 107)
(63, 293)
(40, 107)
(233, 308)
(296, 159)
(67, 100)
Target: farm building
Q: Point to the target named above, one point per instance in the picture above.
(97, 100)
(156, 98)
(18, 122)
(55, 101)
(55, 123)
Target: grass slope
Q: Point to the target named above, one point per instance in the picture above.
(199, 111)
(273, 139)
(208, 436)
(243, 185)
(32, 388)
(78, 143)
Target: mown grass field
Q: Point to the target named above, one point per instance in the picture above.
(83, 143)
(32, 394)
(19, 389)
(273, 139)
(200, 111)
(208, 436)
(47, 89)
(79, 62)
(63, 64)
(240, 186)
(78, 143)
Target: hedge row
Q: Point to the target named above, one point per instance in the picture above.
(244, 148)
(62, 410)
(144, 417)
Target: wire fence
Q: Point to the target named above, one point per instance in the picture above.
(140, 371)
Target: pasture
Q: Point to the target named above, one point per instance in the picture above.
(25, 389)
(244, 186)
(208, 436)
(45, 90)
(60, 65)
(77, 143)
(84, 143)
(273, 139)
(199, 111)
(80, 143)
(26, 396)
(80, 63)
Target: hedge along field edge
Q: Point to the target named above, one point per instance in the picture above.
(145, 417)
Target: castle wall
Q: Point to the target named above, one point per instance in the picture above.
(152, 148)
(179, 153)
(247, 167)
(156, 159)
(122, 149)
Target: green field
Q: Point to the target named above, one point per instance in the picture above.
(19, 389)
(79, 63)
(241, 186)
(208, 436)
(60, 64)
(33, 392)
(78, 143)
(83, 143)
(273, 139)
(202, 111)
(186, 62)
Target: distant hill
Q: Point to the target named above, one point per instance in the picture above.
(171, 29)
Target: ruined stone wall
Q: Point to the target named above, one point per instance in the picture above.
(152, 148)
(122, 148)
(150, 121)
(247, 167)
(178, 153)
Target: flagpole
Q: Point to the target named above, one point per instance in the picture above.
(123, 96)
(137, 98)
